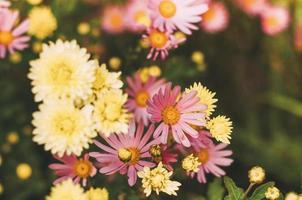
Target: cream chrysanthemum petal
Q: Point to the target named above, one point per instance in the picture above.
(63, 128)
(206, 97)
(158, 180)
(67, 190)
(97, 194)
(191, 164)
(220, 128)
(109, 115)
(42, 22)
(63, 70)
(105, 80)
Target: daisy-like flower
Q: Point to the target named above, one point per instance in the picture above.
(109, 114)
(105, 80)
(73, 168)
(220, 128)
(11, 36)
(139, 94)
(63, 70)
(176, 14)
(274, 19)
(113, 20)
(206, 97)
(97, 194)
(160, 43)
(216, 18)
(158, 180)
(160, 153)
(37, 18)
(63, 128)
(137, 15)
(67, 190)
(212, 157)
(126, 153)
(252, 7)
(176, 114)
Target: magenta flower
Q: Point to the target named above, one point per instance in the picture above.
(139, 93)
(73, 168)
(11, 38)
(176, 114)
(176, 14)
(161, 153)
(252, 7)
(113, 19)
(126, 153)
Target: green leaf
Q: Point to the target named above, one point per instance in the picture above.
(259, 193)
(281, 197)
(234, 192)
(215, 190)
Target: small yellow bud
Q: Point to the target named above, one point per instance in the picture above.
(191, 163)
(12, 138)
(37, 47)
(256, 175)
(272, 193)
(155, 150)
(115, 63)
(83, 28)
(154, 70)
(197, 57)
(23, 171)
(15, 58)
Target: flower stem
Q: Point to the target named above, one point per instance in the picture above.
(248, 190)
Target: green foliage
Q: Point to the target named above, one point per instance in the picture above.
(259, 192)
(234, 192)
(215, 190)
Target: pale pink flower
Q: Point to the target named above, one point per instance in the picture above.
(298, 37)
(216, 18)
(4, 4)
(138, 15)
(161, 42)
(126, 154)
(252, 7)
(73, 168)
(211, 156)
(11, 38)
(138, 95)
(274, 19)
(176, 14)
(176, 114)
(113, 19)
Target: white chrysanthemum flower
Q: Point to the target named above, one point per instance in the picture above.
(63, 70)
(191, 164)
(109, 115)
(63, 128)
(220, 128)
(97, 194)
(67, 190)
(158, 180)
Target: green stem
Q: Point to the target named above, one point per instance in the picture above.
(248, 190)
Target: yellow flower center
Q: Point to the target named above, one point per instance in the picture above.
(170, 115)
(6, 38)
(64, 125)
(209, 15)
(167, 8)
(129, 155)
(61, 73)
(272, 21)
(116, 20)
(112, 111)
(83, 168)
(158, 181)
(249, 3)
(141, 98)
(142, 18)
(158, 39)
(203, 156)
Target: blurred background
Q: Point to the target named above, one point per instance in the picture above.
(257, 78)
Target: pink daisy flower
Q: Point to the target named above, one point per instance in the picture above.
(138, 15)
(298, 37)
(161, 42)
(274, 19)
(176, 14)
(139, 93)
(211, 156)
(73, 168)
(11, 38)
(126, 154)
(216, 18)
(161, 153)
(176, 114)
(252, 7)
(112, 20)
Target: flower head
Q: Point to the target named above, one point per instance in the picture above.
(176, 14)
(113, 19)
(252, 7)
(176, 114)
(63, 128)
(274, 19)
(126, 153)
(161, 153)
(272, 193)
(66, 190)
(256, 175)
(109, 114)
(97, 194)
(138, 15)
(191, 163)
(206, 97)
(73, 168)
(11, 32)
(221, 128)
(158, 180)
(37, 18)
(63, 70)
(291, 196)
(139, 94)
